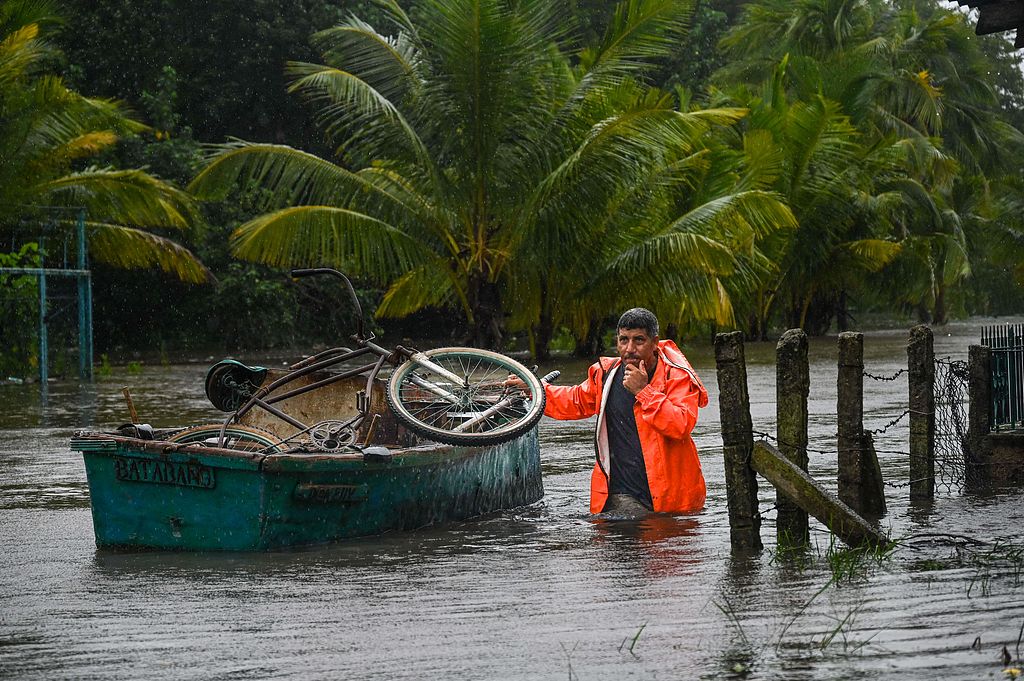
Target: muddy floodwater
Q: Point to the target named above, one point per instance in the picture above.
(543, 592)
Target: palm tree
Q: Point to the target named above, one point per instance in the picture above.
(835, 186)
(48, 134)
(478, 165)
(919, 102)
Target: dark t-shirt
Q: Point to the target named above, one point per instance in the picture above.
(628, 475)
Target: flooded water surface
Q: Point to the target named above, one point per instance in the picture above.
(543, 592)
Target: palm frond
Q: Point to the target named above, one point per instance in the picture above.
(290, 177)
(426, 286)
(640, 31)
(305, 236)
(128, 248)
(19, 51)
(347, 99)
(386, 64)
(129, 197)
(872, 254)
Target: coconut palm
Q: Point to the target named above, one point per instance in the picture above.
(916, 91)
(48, 134)
(478, 166)
(836, 188)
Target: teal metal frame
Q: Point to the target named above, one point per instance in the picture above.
(84, 295)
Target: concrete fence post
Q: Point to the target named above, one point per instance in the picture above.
(850, 411)
(921, 373)
(737, 442)
(860, 477)
(979, 412)
(792, 387)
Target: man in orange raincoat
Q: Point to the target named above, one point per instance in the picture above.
(646, 402)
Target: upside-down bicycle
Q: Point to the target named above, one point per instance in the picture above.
(451, 395)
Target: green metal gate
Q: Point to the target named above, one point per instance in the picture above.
(1006, 344)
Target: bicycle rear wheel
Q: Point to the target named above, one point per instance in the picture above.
(477, 411)
(242, 438)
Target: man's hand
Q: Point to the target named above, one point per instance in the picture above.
(635, 378)
(514, 382)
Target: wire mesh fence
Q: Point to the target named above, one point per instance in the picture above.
(951, 403)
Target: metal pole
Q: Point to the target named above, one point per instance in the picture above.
(44, 350)
(89, 361)
(84, 306)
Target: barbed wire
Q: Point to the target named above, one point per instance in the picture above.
(879, 431)
(884, 378)
(950, 457)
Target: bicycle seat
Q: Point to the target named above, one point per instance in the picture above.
(230, 384)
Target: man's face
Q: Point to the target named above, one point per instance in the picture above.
(635, 346)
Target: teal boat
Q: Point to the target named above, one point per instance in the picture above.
(157, 494)
(324, 451)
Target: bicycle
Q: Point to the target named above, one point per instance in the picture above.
(452, 395)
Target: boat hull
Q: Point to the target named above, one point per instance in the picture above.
(169, 496)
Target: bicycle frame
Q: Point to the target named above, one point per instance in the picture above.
(326, 359)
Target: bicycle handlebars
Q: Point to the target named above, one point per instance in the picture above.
(313, 271)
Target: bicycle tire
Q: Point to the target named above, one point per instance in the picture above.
(483, 371)
(237, 436)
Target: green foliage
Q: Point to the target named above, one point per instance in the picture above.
(528, 168)
(495, 169)
(105, 369)
(19, 313)
(50, 139)
(924, 140)
(228, 57)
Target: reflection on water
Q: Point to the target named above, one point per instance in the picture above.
(540, 592)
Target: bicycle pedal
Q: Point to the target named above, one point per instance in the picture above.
(377, 455)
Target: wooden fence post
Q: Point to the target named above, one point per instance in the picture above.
(921, 375)
(737, 442)
(792, 386)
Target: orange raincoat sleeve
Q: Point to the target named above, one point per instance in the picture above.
(568, 402)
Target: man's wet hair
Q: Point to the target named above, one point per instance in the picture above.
(639, 318)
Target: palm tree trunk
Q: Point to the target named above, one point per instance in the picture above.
(939, 308)
(544, 329)
(842, 316)
(487, 329)
(589, 346)
(939, 304)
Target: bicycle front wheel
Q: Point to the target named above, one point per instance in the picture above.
(478, 410)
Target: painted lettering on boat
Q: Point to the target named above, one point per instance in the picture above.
(164, 472)
(331, 494)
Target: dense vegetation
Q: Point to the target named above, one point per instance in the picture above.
(507, 171)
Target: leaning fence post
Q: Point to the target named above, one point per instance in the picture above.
(979, 411)
(921, 377)
(737, 442)
(792, 386)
